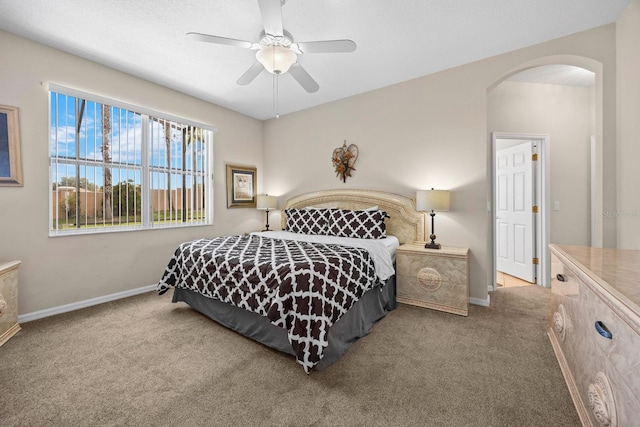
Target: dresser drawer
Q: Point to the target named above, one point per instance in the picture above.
(563, 281)
(433, 293)
(622, 349)
(607, 398)
(450, 269)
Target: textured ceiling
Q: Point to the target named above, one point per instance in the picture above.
(396, 40)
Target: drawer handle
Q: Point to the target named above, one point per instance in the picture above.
(602, 330)
(561, 278)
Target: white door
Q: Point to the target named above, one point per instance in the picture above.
(515, 229)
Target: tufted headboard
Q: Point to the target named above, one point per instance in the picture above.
(407, 224)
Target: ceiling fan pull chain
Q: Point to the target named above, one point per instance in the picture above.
(277, 95)
(275, 82)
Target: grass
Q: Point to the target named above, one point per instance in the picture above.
(159, 217)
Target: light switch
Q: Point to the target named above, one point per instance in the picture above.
(556, 205)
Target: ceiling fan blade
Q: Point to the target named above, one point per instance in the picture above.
(220, 40)
(302, 77)
(250, 74)
(327, 46)
(271, 11)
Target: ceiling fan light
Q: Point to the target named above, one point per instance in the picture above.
(276, 59)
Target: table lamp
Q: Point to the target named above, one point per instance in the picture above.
(433, 200)
(266, 203)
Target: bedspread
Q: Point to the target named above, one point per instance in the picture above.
(302, 287)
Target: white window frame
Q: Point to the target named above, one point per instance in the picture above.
(146, 167)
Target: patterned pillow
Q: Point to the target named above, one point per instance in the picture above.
(367, 224)
(307, 221)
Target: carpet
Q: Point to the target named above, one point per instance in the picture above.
(143, 361)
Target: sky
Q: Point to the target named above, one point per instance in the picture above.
(126, 138)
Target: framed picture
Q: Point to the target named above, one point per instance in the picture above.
(10, 163)
(241, 187)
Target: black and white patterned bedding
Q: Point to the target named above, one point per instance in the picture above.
(365, 224)
(300, 286)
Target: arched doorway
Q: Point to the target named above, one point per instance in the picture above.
(544, 101)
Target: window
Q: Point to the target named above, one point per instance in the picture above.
(115, 167)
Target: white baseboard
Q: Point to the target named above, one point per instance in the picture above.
(482, 302)
(40, 314)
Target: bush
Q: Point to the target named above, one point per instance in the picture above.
(69, 205)
(127, 199)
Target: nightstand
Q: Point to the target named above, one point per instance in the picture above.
(433, 278)
(8, 300)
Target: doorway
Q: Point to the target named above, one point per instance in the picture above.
(520, 208)
(563, 96)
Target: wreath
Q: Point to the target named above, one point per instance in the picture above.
(343, 160)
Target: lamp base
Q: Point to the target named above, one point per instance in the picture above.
(432, 245)
(267, 225)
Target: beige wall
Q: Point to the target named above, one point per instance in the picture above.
(427, 132)
(565, 114)
(64, 270)
(628, 78)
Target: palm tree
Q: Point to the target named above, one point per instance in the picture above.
(167, 141)
(106, 157)
(191, 135)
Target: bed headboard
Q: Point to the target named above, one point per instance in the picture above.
(406, 223)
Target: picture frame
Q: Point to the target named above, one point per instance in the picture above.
(241, 186)
(10, 161)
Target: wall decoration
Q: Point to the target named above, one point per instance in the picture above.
(344, 158)
(241, 187)
(10, 162)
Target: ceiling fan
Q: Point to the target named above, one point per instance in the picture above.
(276, 50)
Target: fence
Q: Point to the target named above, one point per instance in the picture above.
(91, 202)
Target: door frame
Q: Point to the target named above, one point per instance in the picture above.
(541, 177)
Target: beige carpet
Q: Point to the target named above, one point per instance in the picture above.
(144, 361)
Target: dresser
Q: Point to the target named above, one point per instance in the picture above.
(433, 278)
(594, 327)
(8, 300)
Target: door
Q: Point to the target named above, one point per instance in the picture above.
(515, 225)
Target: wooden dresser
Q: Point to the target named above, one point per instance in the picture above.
(594, 327)
(8, 300)
(433, 278)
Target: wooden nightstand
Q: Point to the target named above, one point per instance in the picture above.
(433, 278)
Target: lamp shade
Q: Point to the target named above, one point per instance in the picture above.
(266, 202)
(276, 59)
(433, 200)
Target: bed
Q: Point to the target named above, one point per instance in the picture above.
(310, 290)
